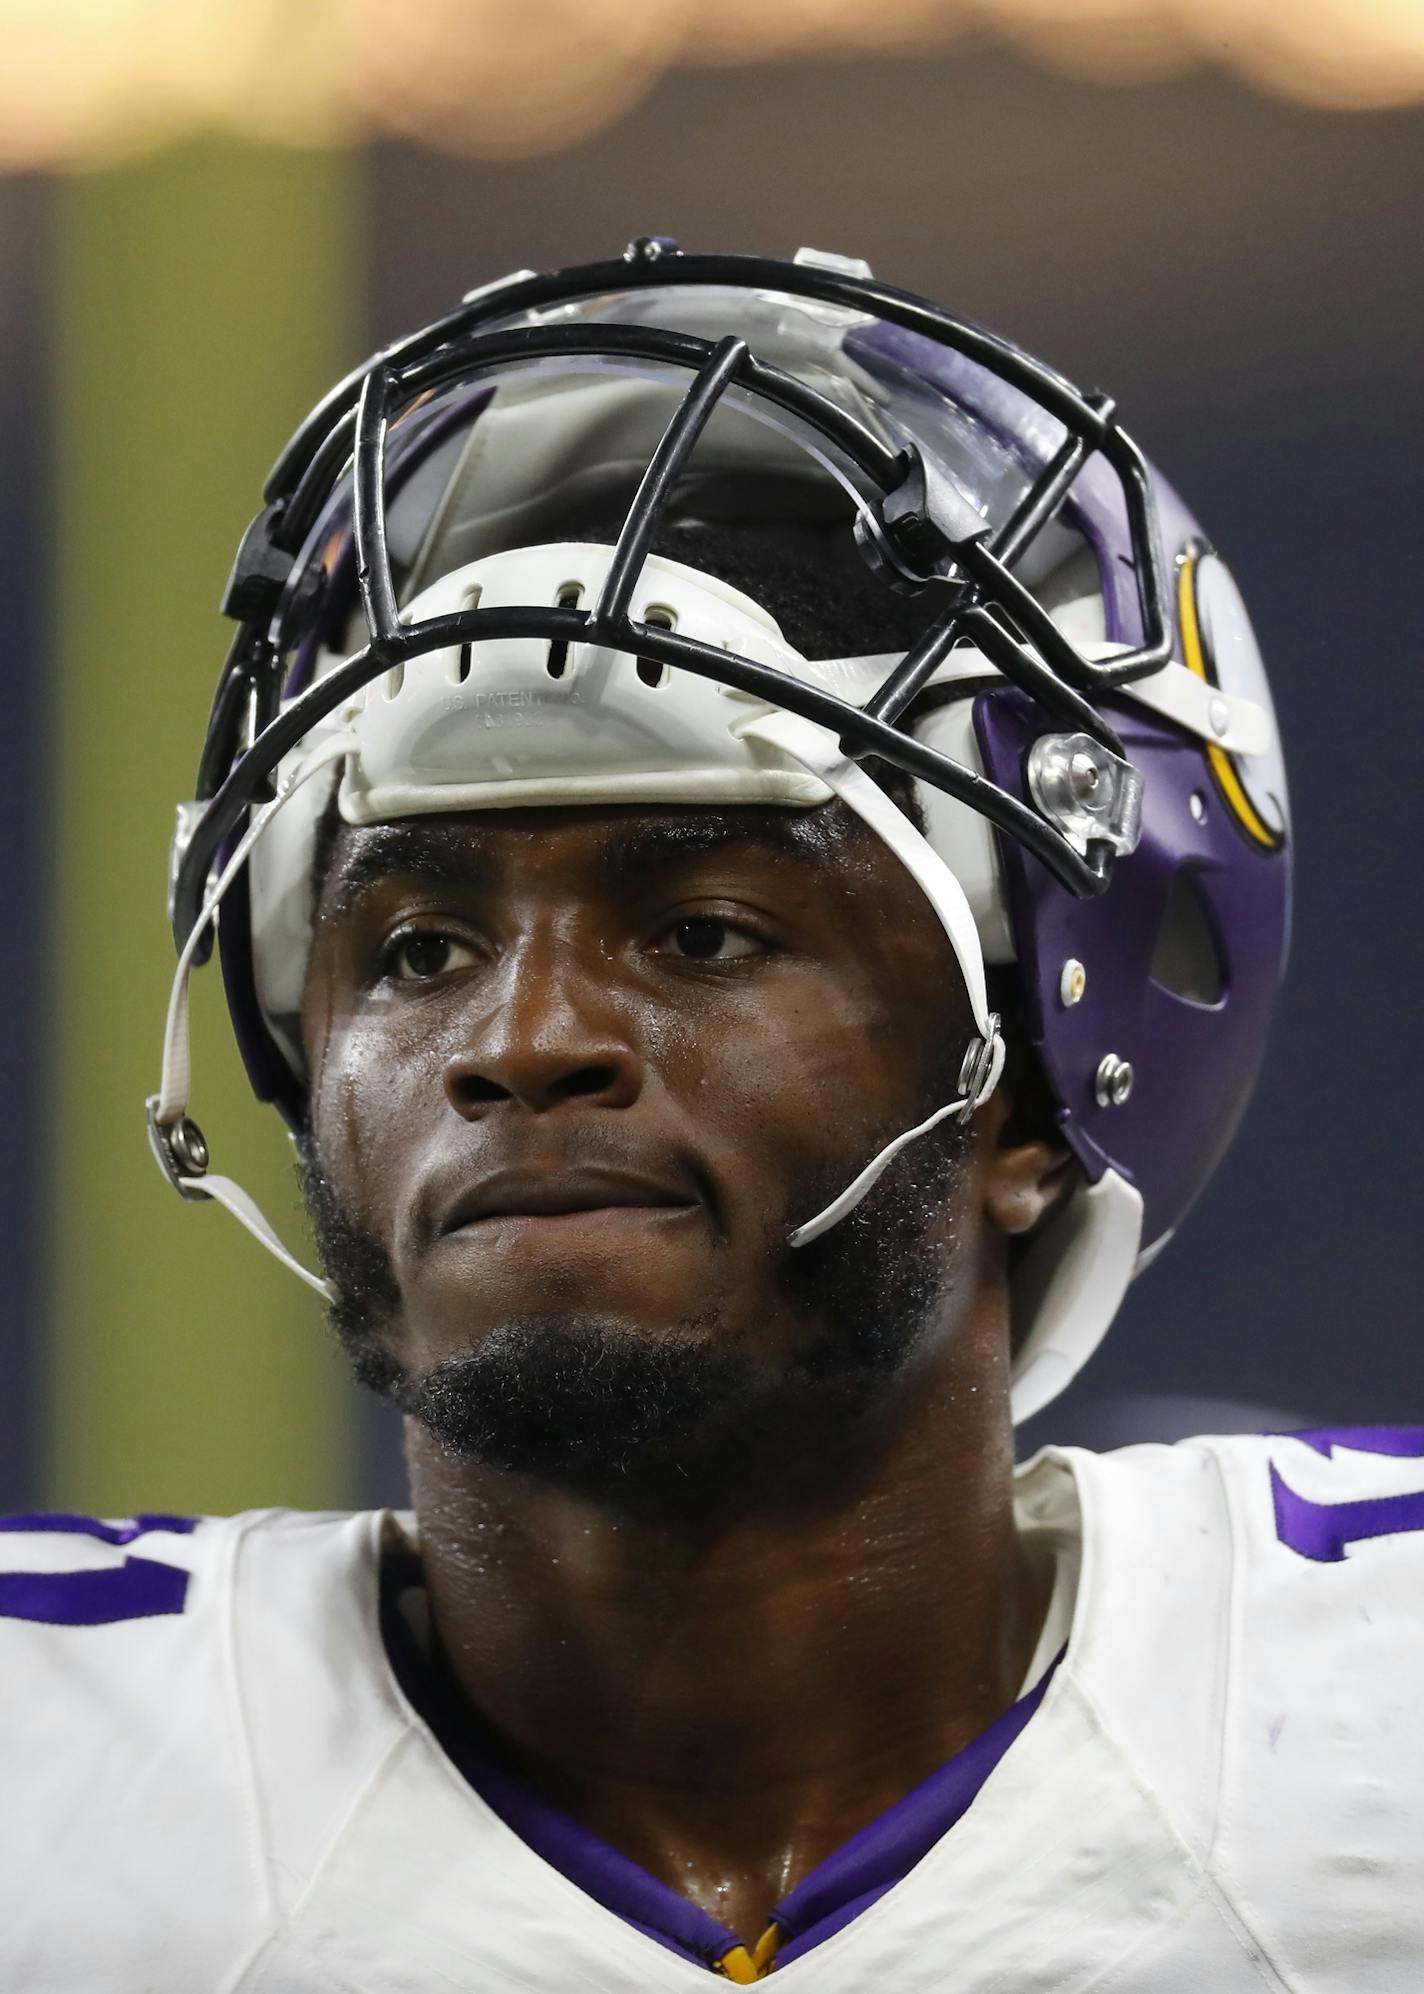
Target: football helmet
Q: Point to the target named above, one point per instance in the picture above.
(431, 617)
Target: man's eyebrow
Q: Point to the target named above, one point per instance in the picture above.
(411, 849)
(451, 856)
(668, 841)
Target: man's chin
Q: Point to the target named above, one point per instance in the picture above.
(577, 1398)
(583, 1381)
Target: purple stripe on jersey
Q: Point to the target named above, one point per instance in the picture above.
(1404, 1441)
(107, 1533)
(834, 1893)
(135, 1590)
(1325, 1530)
(603, 1872)
(876, 1859)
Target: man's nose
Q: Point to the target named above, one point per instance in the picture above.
(548, 1032)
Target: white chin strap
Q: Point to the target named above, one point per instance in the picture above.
(851, 1196)
(177, 1142)
(983, 1061)
(182, 1152)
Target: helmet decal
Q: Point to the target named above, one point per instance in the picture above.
(1219, 646)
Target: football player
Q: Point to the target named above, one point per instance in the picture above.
(746, 835)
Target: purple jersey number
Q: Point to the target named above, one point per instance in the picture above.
(1324, 1531)
(135, 1590)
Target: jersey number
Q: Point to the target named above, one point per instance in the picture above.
(135, 1590)
(1325, 1530)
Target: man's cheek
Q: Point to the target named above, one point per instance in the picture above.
(362, 1124)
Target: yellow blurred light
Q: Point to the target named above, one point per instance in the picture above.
(87, 81)
(502, 76)
(1330, 53)
(1106, 40)
(1324, 51)
(740, 31)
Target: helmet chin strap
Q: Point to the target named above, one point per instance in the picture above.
(176, 1139)
(984, 1055)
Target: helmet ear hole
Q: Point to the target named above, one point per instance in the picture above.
(1187, 957)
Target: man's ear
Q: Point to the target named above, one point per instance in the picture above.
(1024, 1174)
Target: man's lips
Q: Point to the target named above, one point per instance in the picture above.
(554, 1194)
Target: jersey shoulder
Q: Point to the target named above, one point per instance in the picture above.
(1276, 1504)
(1291, 1557)
(135, 1825)
(60, 1570)
(132, 1629)
(1334, 1492)
(92, 1607)
(1261, 1656)
(1322, 1823)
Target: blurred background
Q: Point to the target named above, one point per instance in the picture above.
(211, 208)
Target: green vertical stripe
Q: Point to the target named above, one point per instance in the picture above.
(201, 302)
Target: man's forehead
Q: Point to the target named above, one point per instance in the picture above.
(618, 844)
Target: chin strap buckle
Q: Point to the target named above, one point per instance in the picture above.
(181, 1151)
(982, 1064)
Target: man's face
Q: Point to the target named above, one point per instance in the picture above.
(578, 1074)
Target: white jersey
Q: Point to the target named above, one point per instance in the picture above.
(212, 1781)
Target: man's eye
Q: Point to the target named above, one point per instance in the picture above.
(414, 958)
(703, 938)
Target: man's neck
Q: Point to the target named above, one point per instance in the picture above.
(728, 1699)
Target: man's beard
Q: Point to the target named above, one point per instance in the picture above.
(584, 1399)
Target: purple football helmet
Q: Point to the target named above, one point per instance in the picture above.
(429, 619)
